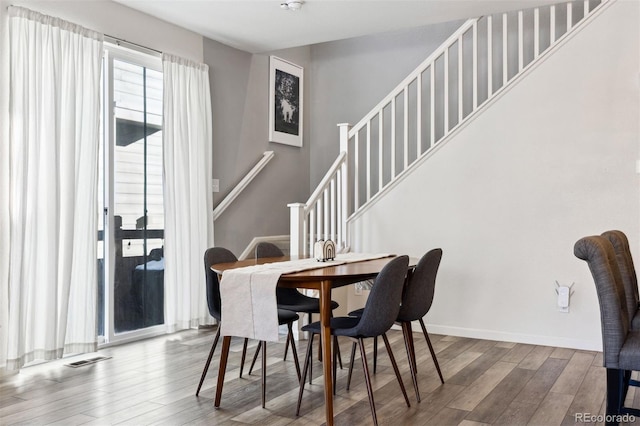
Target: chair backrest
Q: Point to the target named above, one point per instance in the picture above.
(283, 295)
(212, 256)
(598, 252)
(383, 303)
(421, 284)
(265, 249)
(628, 272)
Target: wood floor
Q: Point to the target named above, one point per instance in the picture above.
(154, 382)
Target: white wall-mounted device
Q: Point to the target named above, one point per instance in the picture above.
(564, 296)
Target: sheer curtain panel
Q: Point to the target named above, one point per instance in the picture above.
(188, 198)
(53, 147)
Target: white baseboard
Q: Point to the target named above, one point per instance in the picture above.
(500, 336)
(562, 342)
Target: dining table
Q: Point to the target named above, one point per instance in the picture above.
(323, 279)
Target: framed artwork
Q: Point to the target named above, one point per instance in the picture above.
(285, 102)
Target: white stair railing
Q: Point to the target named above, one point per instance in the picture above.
(244, 182)
(324, 214)
(471, 68)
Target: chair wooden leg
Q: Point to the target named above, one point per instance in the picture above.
(433, 353)
(244, 356)
(286, 347)
(305, 368)
(412, 347)
(353, 357)
(375, 354)
(264, 373)
(206, 365)
(293, 349)
(395, 368)
(335, 367)
(367, 379)
(411, 355)
(255, 357)
(615, 392)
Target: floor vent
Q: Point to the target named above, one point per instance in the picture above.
(84, 362)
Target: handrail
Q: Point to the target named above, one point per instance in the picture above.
(231, 196)
(326, 180)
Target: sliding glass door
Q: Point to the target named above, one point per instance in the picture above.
(131, 262)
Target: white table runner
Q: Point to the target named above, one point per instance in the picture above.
(249, 307)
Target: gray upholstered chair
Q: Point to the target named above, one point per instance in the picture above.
(628, 273)
(620, 344)
(380, 312)
(212, 256)
(290, 298)
(416, 302)
(215, 255)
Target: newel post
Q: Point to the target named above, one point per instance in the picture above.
(344, 136)
(345, 194)
(296, 229)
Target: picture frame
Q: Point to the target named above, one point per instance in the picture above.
(286, 87)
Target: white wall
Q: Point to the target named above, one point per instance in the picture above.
(551, 161)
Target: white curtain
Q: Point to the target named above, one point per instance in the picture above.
(53, 148)
(188, 197)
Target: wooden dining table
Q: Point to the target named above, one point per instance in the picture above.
(323, 279)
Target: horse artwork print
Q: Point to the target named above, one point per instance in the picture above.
(287, 95)
(285, 98)
(287, 110)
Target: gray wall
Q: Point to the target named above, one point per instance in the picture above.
(239, 92)
(349, 78)
(343, 81)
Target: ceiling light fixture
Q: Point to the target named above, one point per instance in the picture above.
(291, 4)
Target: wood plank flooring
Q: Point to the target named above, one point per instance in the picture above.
(153, 382)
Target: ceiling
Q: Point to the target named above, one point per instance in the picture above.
(262, 25)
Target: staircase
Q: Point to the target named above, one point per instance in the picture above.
(464, 76)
